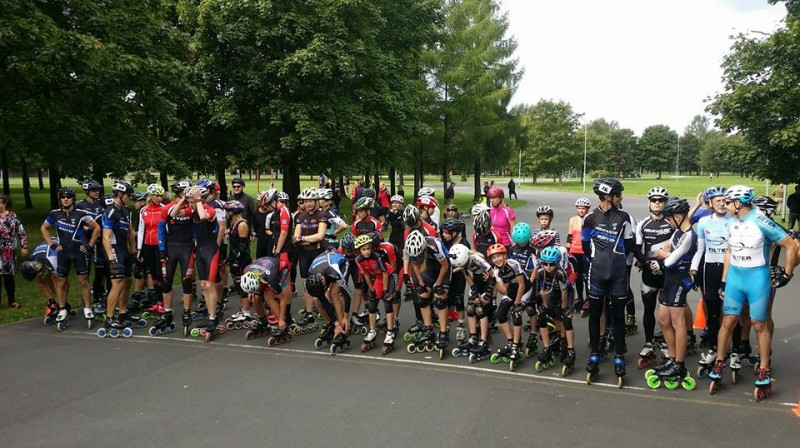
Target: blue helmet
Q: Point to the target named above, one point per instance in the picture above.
(713, 192)
(550, 255)
(521, 234)
(208, 184)
(743, 194)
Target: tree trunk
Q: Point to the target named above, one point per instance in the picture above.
(41, 181)
(291, 180)
(444, 174)
(26, 185)
(164, 181)
(418, 174)
(223, 187)
(367, 180)
(392, 174)
(55, 183)
(477, 182)
(376, 183)
(340, 187)
(4, 166)
(659, 174)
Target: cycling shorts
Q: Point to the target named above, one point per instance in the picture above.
(69, 256)
(305, 258)
(206, 263)
(676, 287)
(747, 285)
(124, 262)
(177, 254)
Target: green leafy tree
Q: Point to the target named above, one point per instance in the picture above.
(689, 152)
(554, 146)
(658, 147)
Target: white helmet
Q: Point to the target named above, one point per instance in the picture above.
(250, 282)
(325, 193)
(196, 192)
(657, 191)
(478, 208)
(583, 202)
(458, 255)
(411, 215)
(426, 191)
(308, 193)
(481, 222)
(415, 243)
(397, 198)
(155, 189)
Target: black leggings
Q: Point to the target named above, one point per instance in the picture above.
(618, 317)
(712, 278)
(11, 288)
(580, 269)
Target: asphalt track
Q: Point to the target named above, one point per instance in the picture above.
(73, 389)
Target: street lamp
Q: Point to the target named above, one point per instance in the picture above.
(678, 159)
(585, 138)
(519, 175)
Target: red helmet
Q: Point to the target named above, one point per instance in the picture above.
(494, 192)
(426, 201)
(496, 249)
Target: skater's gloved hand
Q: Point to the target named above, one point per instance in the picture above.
(566, 313)
(137, 256)
(722, 290)
(491, 282)
(518, 309)
(114, 267)
(782, 279)
(695, 280)
(474, 296)
(440, 290)
(162, 255)
(655, 268)
(55, 247)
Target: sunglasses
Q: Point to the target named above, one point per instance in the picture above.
(237, 186)
(548, 264)
(658, 200)
(66, 197)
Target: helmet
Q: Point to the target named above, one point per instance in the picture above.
(180, 185)
(496, 249)
(30, 268)
(521, 233)
(365, 203)
(411, 215)
(308, 193)
(196, 192)
(66, 191)
(315, 284)
(397, 198)
(657, 191)
(377, 239)
(458, 255)
(427, 191)
(108, 200)
(481, 222)
(155, 189)
(766, 204)
(363, 240)
(550, 255)
(583, 202)
(713, 192)
(237, 180)
(427, 201)
(452, 225)
(268, 196)
(494, 192)
(234, 207)
(283, 197)
(544, 210)
(741, 193)
(250, 282)
(122, 187)
(140, 196)
(544, 238)
(208, 184)
(478, 208)
(325, 193)
(91, 184)
(348, 242)
(369, 193)
(607, 185)
(676, 206)
(415, 243)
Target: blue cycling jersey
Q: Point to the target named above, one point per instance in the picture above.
(750, 239)
(712, 239)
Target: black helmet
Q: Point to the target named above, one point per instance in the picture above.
(315, 284)
(348, 242)
(376, 239)
(237, 180)
(140, 196)
(607, 185)
(180, 185)
(108, 200)
(91, 184)
(676, 206)
(66, 191)
(766, 204)
(369, 193)
(122, 187)
(29, 269)
(453, 225)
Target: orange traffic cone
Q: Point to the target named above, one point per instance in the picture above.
(700, 316)
(797, 409)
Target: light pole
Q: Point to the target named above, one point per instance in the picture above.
(519, 176)
(678, 159)
(585, 138)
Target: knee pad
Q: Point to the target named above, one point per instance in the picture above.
(387, 307)
(482, 311)
(188, 285)
(502, 310)
(422, 302)
(531, 309)
(440, 303)
(567, 323)
(139, 271)
(516, 319)
(541, 320)
(471, 310)
(372, 305)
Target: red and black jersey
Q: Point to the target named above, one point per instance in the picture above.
(373, 265)
(205, 232)
(279, 221)
(149, 218)
(387, 252)
(366, 226)
(176, 230)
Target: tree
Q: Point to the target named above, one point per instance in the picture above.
(658, 146)
(553, 144)
(689, 152)
(761, 99)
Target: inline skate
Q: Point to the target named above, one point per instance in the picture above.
(763, 384)
(706, 363)
(258, 328)
(279, 337)
(569, 362)
(705, 339)
(671, 376)
(735, 364)
(413, 332)
(716, 376)
(50, 312)
(630, 325)
(423, 342)
(306, 325)
(114, 328)
(163, 324)
(545, 361)
(239, 320)
(187, 322)
(370, 341)
(154, 311)
(388, 342)
(514, 357)
(647, 356)
(442, 341)
(137, 300)
(502, 353)
(211, 329)
(89, 316)
(592, 368)
(339, 343)
(325, 336)
(461, 332)
(532, 345)
(465, 348)
(691, 343)
(99, 307)
(314, 311)
(619, 368)
(479, 352)
(358, 324)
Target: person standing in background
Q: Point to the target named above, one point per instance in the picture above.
(793, 204)
(11, 230)
(450, 193)
(512, 189)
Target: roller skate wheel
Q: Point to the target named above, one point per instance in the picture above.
(641, 364)
(101, 333)
(249, 335)
(752, 360)
(454, 353)
(153, 331)
(650, 373)
(221, 330)
(209, 335)
(671, 384)
(713, 387)
(760, 393)
(73, 313)
(527, 352)
(62, 325)
(195, 332)
(127, 332)
(246, 324)
(589, 378)
(334, 349)
(173, 326)
(48, 320)
(565, 371)
(318, 343)
(271, 341)
(142, 323)
(495, 358)
(619, 382)
(512, 365)
(114, 333)
(653, 382)
(538, 366)
(229, 325)
(506, 359)
(441, 354)
(88, 324)
(472, 358)
(411, 348)
(407, 337)
(430, 346)
(186, 331)
(296, 330)
(385, 349)
(755, 367)
(701, 372)
(689, 383)
(236, 326)
(734, 376)
(364, 331)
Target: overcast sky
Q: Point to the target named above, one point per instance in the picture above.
(639, 62)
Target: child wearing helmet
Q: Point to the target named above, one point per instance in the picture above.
(454, 232)
(364, 222)
(261, 281)
(544, 214)
(483, 234)
(476, 270)
(554, 287)
(429, 210)
(376, 265)
(429, 274)
(515, 288)
(575, 248)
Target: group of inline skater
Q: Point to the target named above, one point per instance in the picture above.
(721, 245)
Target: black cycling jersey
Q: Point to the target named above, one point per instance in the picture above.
(524, 255)
(263, 241)
(509, 272)
(651, 233)
(607, 240)
(178, 230)
(434, 254)
(268, 268)
(394, 218)
(118, 220)
(69, 226)
(205, 232)
(332, 265)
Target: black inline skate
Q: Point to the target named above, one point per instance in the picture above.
(671, 376)
(546, 360)
(705, 339)
(164, 324)
(259, 328)
(239, 320)
(514, 357)
(279, 337)
(479, 352)
(388, 341)
(691, 343)
(647, 356)
(461, 332)
(51, 312)
(114, 328)
(370, 341)
(187, 321)
(212, 329)
(339, 343)
(325, 337)
(501, 354)
(358, 324)
(619, 368)
(422, 343)
(592, 368)
(532, 345)
(569, 362)
(442, 342)
(314, 311)
(413, 331)
(305, 325)
(465, 348)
